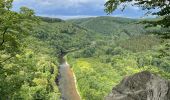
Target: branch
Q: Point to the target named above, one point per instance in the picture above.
(6, 59)
(3, 37)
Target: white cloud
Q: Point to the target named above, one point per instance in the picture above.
(62, 4)
(67, 9)
(69, 3)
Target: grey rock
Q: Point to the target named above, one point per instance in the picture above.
(141, 86)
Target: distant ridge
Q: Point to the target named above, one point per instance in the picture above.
(111, 25)
(50, 20)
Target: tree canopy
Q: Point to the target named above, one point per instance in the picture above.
(154, 7)
(13, 25)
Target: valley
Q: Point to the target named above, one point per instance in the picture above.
(85, 50)
(101, 51)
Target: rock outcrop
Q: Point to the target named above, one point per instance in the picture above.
(141, 86)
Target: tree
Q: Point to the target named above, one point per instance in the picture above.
(162, 9)
(13, 26)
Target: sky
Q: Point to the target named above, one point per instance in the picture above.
(68, 9)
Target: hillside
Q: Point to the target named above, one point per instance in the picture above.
(30, 72)
(122, 27)
(116, 55)
(101, 52)
(88, 58)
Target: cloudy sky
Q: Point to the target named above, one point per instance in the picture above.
(67, 9)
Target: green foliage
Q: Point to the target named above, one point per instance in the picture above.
(115, 26)
(162, 6)
(63, 36)
(13, 26)
(139, 43)
(108, 69)
(113, 56)
(112, 5)
(115, 51)
(50, 20)
(100, 50)
(32, 74)
(89, 52)
(89, 69)
(28, 66)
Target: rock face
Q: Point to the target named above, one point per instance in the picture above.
(141, 86)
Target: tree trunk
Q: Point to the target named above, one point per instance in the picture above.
(3, 36)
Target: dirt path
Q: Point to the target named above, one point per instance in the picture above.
(67, 83)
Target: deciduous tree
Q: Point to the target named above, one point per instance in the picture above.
(154, 7)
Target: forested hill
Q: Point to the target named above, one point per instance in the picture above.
(121, 47)
(100, 50)
(41, 57)
(63, 36)
(111, 25)
(50, 20)
(30, 73)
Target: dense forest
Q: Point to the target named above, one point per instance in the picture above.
(129, 49)
(101, 52)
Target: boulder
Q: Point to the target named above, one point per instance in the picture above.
(141, 86)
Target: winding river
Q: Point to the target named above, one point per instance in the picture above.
(67, 83)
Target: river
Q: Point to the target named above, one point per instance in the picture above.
(67, 83)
